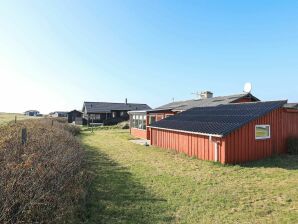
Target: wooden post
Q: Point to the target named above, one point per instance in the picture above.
(92, 125)
(24, 136)
(52, 123)
(15, 119)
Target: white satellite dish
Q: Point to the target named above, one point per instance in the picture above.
(247, 87)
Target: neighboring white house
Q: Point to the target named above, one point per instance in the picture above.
(58, 114)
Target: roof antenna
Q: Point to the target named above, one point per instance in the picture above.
(197, 94)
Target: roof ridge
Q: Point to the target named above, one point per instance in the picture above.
(112, 102)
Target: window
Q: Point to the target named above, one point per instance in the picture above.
(152, 119)
(262, 131)
(114, 114)
(168, 115)
(138, 121)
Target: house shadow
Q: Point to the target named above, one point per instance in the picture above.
(115, 196)
(284, 161)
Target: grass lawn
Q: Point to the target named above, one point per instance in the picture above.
(138, 184)
(8, 117)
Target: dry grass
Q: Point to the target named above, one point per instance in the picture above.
(138, 184)
(43, 180)
(9, 117)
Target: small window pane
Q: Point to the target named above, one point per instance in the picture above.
(262, 131)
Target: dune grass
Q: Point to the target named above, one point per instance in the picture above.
(138, 184)
(8, 117)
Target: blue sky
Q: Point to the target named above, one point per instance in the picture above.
(56, 54)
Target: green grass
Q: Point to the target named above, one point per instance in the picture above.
(8, 117)
(137, 184)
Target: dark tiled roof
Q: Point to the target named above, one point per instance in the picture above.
(32, 111)
(209, 102)
(219, 120)
(105, 107)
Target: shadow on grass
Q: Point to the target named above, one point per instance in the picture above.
(286, 161)
(116, 197)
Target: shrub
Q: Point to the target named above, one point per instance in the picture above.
(292, 145)
(123, 125)
(74, 130)
(42, 181)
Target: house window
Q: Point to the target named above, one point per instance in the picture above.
(152, 119)
(168, 115)
(114, 114)
(139, 121)
(121, 113)
(262, 131)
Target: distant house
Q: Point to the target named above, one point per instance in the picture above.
(59, 114)
(140, 120)
(76, 117)
(109, 113)
(32, 113)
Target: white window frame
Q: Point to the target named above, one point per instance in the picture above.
(262, 125)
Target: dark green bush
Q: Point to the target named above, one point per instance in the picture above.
(292, 145)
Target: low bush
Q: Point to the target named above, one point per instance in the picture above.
(123, 125)
(292, 145)
(73, 129)
(43, 180)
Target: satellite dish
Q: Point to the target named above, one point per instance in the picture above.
(247, 87)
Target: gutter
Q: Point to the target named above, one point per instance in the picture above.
(188, 132)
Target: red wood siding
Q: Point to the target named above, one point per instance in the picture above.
(290, 123)
(191, 144)
(241, 145)
(138, 133)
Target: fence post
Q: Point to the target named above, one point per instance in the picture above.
(24, 136)
(52, 123)
(15, 119)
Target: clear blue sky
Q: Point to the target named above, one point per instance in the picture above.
(56, 54)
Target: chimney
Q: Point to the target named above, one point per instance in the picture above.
(206, 95)
(125, 100)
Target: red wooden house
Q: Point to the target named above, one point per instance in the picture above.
(140, 120)
(230, 133)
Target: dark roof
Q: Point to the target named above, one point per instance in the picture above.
(34, 111)
(209, 102)
(219, 120)
(105, 107)
(75, 111)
